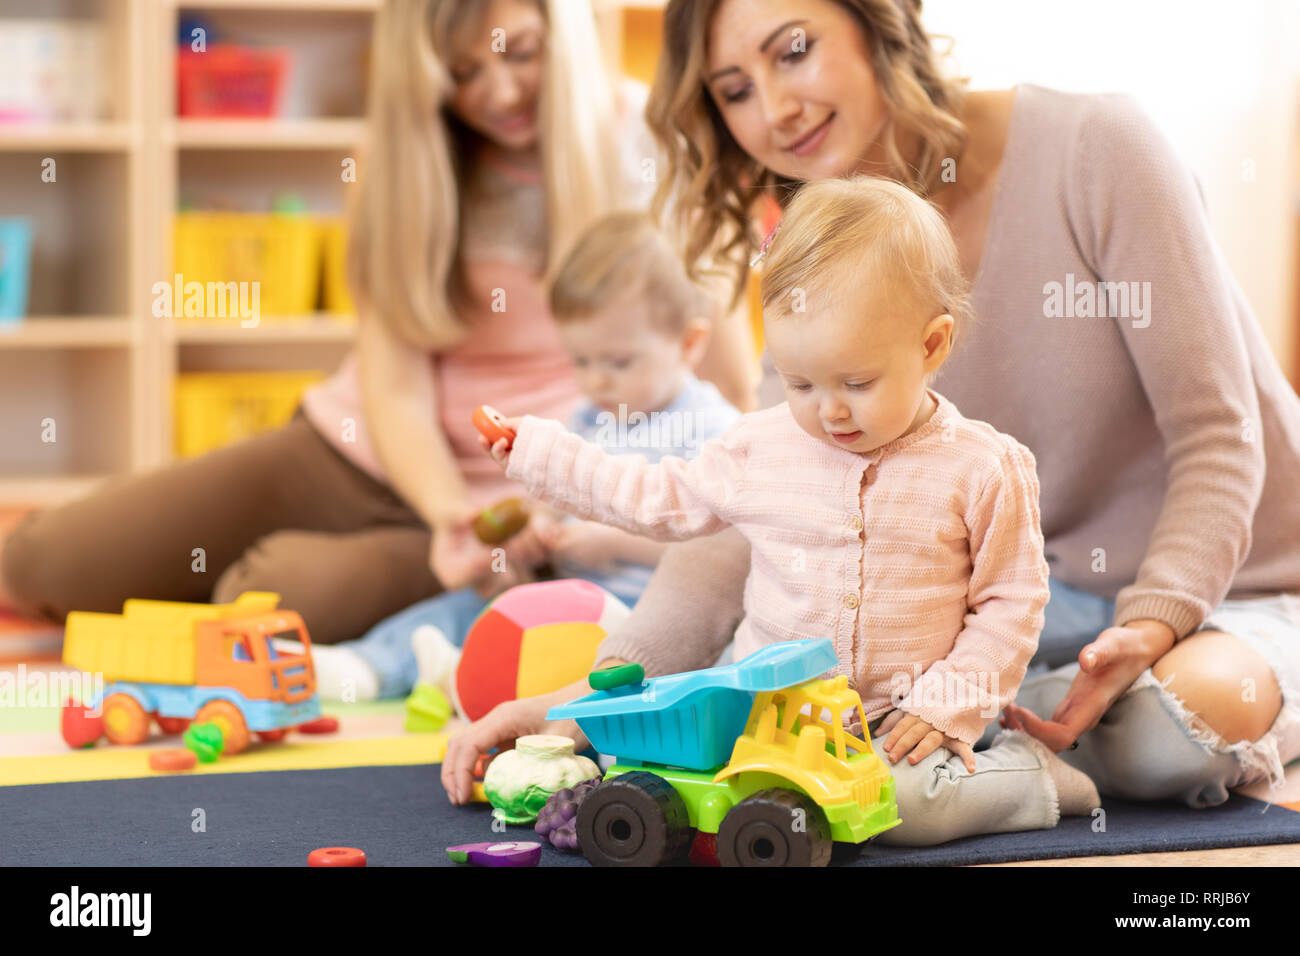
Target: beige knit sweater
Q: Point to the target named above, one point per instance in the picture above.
(1151, 408)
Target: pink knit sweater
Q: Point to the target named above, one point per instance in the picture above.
(922, 560)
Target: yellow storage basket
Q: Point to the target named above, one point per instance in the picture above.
(281, 252)
(217, 408)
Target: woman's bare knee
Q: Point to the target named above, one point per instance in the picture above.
(1225, 682)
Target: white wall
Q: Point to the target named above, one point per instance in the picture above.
(1221, 79)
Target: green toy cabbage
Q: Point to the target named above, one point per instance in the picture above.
(520, 781)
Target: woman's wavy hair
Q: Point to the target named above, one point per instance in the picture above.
(404, 222)
(711, 184)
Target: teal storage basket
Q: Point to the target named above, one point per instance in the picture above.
(15, 267)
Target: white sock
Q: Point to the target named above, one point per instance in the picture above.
(436, 657)
(341, 674)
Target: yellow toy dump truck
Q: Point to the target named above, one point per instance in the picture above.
(176, 662)
(755, 752)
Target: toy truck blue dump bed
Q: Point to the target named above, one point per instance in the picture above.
(692, 720)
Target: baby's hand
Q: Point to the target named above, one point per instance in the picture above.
(500, 449)
(911, 734)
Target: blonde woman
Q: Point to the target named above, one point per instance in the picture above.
(1171, 537)
(494, 140)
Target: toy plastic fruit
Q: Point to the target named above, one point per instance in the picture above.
(520, 781)
(557, 819)
(427, 709)
(492, 425)
(80, 729)
(501, 522)
(497, 854)
(206, 740)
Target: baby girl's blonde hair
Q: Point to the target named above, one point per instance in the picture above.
(838, 237)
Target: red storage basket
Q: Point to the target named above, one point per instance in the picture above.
(230, 81)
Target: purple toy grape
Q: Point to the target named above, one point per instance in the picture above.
(557, 819)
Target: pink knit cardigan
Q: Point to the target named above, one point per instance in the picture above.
(922, 560)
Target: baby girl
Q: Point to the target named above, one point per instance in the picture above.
(878, 516)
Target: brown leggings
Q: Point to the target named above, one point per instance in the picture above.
(281, 512)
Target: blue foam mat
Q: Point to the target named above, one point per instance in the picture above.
(400, 817)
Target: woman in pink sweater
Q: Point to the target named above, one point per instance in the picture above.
(876, 514)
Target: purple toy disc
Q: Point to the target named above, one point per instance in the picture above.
(515, 853)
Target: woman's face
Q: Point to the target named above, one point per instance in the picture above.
(792, 79)
(496, 68)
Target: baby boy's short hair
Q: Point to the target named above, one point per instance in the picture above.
(626, 253)
(836, 234)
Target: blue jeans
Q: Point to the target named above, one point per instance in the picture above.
(1147, 747)
(386, 647)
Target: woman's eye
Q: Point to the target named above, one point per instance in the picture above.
(797, 54)
(736, 95)
(621, 364)
(858, 386)
(524, 55)
(799, 388)
(462, 76)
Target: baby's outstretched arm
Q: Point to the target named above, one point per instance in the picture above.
(669, 501)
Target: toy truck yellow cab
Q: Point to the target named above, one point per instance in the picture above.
(175, 662)
(756, 752)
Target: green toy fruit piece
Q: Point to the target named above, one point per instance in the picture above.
(607, 678)
(206, 740)
(520, 808)
(427, 710)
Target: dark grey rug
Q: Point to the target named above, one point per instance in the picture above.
(400, 817)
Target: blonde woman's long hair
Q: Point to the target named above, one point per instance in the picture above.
(404, 221)
(711, 184)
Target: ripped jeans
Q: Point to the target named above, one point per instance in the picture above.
(1145, 747)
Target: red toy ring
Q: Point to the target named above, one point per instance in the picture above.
(492, 426)
(337, 856)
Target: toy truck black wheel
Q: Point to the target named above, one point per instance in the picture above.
(634, 819)
(775, 828)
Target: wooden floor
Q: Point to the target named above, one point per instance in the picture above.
(1284, 855)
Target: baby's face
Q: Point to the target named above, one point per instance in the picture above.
(622, 359)
(856, 378)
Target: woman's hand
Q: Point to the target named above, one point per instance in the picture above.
(456, 556)
(910, 734)
(1107, 667)
(504, 723)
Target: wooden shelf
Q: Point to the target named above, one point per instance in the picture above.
(265, 134)
(43, 332)
(269, 332)
(73, 137)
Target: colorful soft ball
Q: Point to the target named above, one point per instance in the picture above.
(533, 639)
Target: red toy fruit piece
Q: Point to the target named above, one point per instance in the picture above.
(172, 761)
(272, 736)
(79, 728)
(515, 853)
(704, 850)
(481, 765)
(172, 725)
(337, 856)
(321, 725)
(491, 425)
